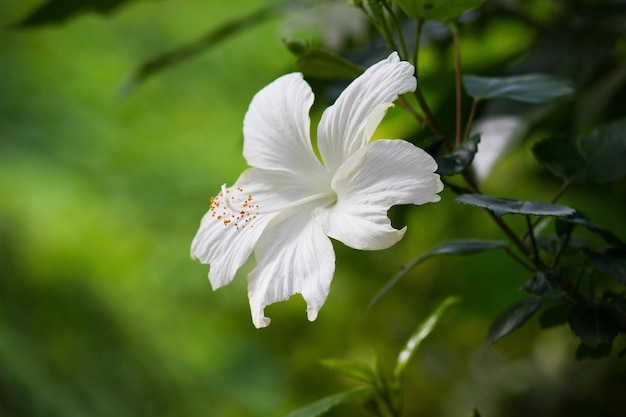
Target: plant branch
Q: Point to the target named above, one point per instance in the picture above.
(405, 53)
(407, 106)
(457, 79)
(533, 243)
(470, 119)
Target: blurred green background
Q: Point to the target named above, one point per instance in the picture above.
(103, 313)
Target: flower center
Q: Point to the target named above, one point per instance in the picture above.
(234, 208)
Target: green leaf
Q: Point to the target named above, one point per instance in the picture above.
(555, 315)
(596, 157)
(579, 218)
(546, 284)
(322, 406)
(323, 64)
(207, 41)
(585, 351)
(560, 157)
(530, 88)
(422, 331)
(459, 159)
(353, 369)
(512, 318)
(595, 322)
(443, 10)
(604, 150)
(501, 206)
(451, 247)
(610, 261)
(57, 11)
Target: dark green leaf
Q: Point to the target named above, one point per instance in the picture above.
(595, 321)
(530, 88)
(459, 159)
(475, 413)
(512, 318)
(546, 284)
(610, 261)
(501, 206)
(451, 247)
(209, 40)
(585, 351)
(555, 315)
(353, 369)
(581, 219)
(552, 244)
(560, 157)
(57, 11)
(422, 331)
(443, 10)
(322, 406)
(605, 152)
(319, 63)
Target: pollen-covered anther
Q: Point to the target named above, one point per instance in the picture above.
(233, 208)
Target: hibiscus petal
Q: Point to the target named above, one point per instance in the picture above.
(238, 215)
(348, 125)
(293, 256)
(277, 127)
(382, 174)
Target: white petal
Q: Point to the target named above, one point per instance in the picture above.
(382, 174)
(277, 127)
(293, 256)
(348, 125)
(238, 215)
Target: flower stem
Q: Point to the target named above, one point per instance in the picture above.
(470, 119)
(405, 53)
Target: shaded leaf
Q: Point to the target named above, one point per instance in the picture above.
(580, 218)
(529, 88)
(442, 10)
(422, 331)
(451, 247)
(512, 318)
(594, 321)
(501, 206)
(560, 157)
(57, 11)
(584, 351)
(604, 150)
(320, 407)
(546, 284)
(555, 315)
(610, 261)
(353, 369)
(552, 244)
(459, 159)
(323, 64)
(209, 40)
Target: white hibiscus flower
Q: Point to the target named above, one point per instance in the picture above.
(289, 203)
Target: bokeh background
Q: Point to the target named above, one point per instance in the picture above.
(102, 311)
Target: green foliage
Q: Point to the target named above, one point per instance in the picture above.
(512, 318)
(501, 206)
(57, 11)
(322, 406)
(442, 10)
(529, 88)
(319, 63)
(460, 159)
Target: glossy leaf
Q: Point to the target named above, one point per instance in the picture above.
(610, 261)
(545, 284)
(459, 159)
(422, 331)
(501, 206)
(512, 318)
(604, 150)
(451, 247)
(443, 10)
(530, 88)
(57, 11)
(353, 369)
(209, 40)
(322, 406)
(595, 321)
